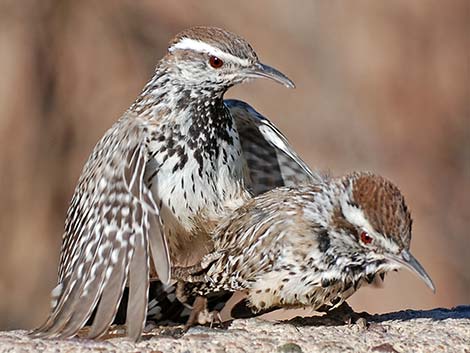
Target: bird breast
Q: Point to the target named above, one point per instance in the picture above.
(283, 289)
(299, 277)
(193, 193)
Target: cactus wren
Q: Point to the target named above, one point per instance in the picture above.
(160, 179)
(311, 245)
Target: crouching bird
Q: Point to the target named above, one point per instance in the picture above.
(308, 246)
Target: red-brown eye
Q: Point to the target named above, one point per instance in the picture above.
(366, 238)
(215, 62)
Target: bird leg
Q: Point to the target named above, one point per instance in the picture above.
(201, 315)
(199, 306)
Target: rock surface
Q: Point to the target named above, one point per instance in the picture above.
(438, 330)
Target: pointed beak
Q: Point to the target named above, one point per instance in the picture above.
(262, 70)
(407, 260)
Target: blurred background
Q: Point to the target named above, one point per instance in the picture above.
(381, 86)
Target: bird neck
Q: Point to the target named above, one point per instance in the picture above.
(167, 95)
(344, 262)
(194, 117)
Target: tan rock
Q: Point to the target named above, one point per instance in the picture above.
(438, 330)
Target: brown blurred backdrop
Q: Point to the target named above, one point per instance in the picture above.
(381, 86)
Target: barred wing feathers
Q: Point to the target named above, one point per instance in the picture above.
(271, 160)
(112, 226)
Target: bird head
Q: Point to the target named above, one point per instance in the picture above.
(373, 224)
(213, 59)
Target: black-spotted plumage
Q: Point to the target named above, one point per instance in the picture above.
(311, 245)
(271, 163)
(160, 179)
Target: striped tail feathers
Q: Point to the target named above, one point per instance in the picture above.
(164, 307)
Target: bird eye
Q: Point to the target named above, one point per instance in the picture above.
(215, 62)
(366, 238)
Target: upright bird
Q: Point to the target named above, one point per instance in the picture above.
(311, 245)
(177, 161)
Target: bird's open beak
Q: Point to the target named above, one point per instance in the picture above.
(407, 260)
(262, 70)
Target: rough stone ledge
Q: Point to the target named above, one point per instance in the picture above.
(438, 330)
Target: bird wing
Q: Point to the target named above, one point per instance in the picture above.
(271, 160)
(111, 224)
(255, 236)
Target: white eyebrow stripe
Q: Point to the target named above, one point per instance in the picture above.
(202, 47)
(355, 216)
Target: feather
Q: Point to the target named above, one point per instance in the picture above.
(111, 208)
(271, 160)
(159, 250)
(89, 296)
(138, 289)
(73, 287)
(112, 292)
(158, 243)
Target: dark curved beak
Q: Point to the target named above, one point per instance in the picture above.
(262, 70)
(408, 261)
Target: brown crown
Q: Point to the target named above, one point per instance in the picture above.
(384, 206)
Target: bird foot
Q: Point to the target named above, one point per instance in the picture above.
(200, 314)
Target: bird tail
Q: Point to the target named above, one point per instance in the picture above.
(165, 309)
